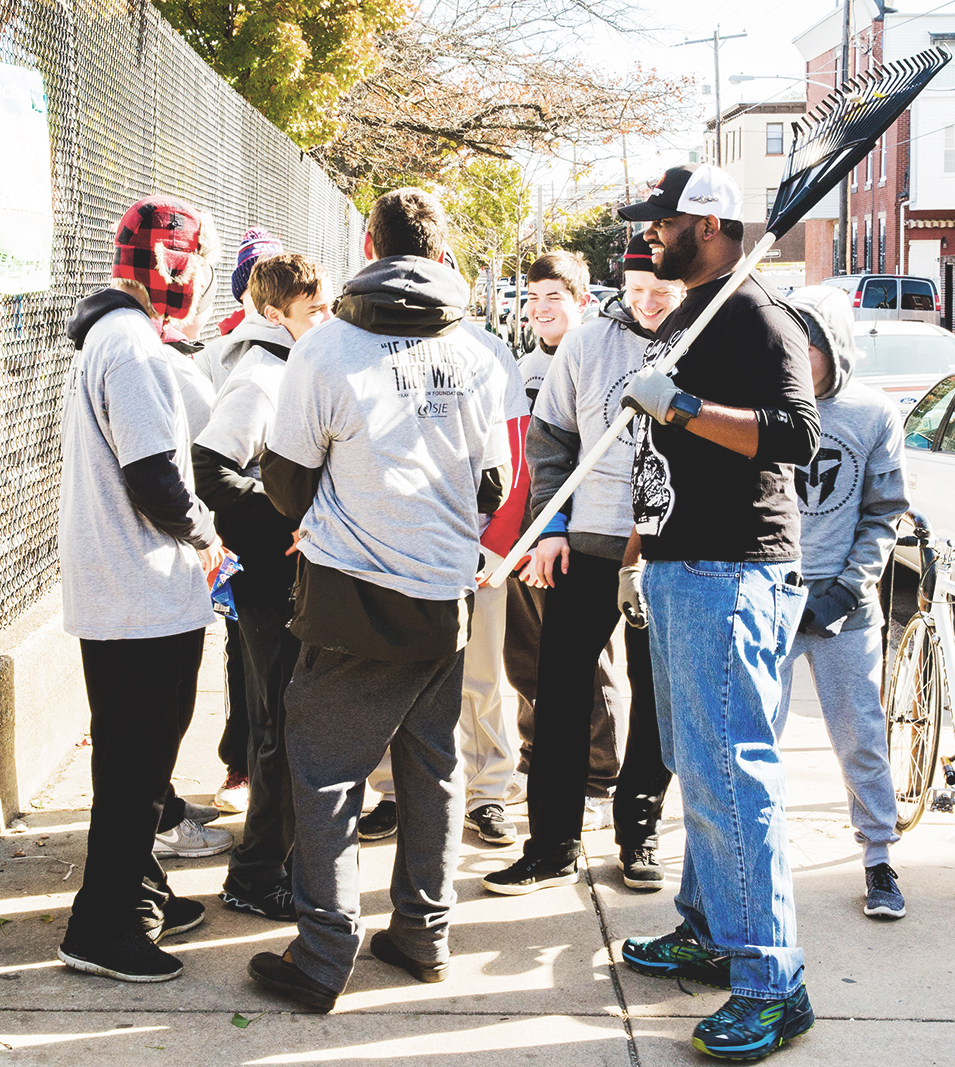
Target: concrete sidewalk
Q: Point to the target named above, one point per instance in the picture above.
(534, 980)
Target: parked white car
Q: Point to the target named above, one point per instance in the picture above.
(903, 359)
(930, 463)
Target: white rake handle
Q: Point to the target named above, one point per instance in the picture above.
(530, 535)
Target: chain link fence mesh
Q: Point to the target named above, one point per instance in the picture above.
(132, 110)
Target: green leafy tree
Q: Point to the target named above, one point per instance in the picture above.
(599, 235)
(291, 59)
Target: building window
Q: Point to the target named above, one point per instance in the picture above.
(770, 200)
(868, 170)
(882, 244)
(774, 138)
(949, 164)
(837, 267)
(854, 178)
(854, 249)
(867, 247)
(883, 160)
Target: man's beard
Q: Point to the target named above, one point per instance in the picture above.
(677, 260)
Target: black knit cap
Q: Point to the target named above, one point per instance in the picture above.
(637, 256)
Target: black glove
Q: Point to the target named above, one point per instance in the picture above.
(824, 615)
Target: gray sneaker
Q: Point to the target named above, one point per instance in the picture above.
(883, 899)
(491, 824)
(200, 813)
(189, 840)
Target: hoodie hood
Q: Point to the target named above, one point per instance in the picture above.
(614, 308)
(91, 309)
(253, 329)
(405, 296)
(827, 309)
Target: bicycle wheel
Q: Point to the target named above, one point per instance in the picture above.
(913, 719)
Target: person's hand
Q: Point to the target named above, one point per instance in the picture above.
(824, 616)
(546, 555)
(296, 537)
(651, 392)
(211, 559)
(528, 573)
(630, 599)
(491, 562)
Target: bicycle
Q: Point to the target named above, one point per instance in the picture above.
(919, 689)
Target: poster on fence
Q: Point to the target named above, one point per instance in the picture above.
(26, 195)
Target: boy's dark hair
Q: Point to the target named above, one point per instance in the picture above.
(733, 229)
(567, 267)
(408, 222)
(277, 280)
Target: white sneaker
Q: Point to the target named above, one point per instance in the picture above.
(189, 840)
(598, 813)
(233, 794)
(516, 792)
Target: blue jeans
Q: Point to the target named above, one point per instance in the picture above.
(718, 631)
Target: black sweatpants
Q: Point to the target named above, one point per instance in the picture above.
(580, 614)
(142, 694)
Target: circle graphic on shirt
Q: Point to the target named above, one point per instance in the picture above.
(612, 405)
(829, 481)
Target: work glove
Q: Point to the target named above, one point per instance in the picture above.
(650, 392)
(630, 599)
(824, 616)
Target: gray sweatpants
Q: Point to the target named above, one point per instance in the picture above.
(846, 671)
(343, 712)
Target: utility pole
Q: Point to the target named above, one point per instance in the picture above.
(540, 221)
(715, 40)
(626, 186)
(842, 240)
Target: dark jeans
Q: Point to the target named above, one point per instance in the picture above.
(142, 694)
(580, 614)
(234, 743)
(269, 651)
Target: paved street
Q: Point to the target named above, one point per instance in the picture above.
(534, 980)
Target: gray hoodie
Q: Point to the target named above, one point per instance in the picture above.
(853, 491)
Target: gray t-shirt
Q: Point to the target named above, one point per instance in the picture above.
(403, 428)
(581, 394)
(122, 577)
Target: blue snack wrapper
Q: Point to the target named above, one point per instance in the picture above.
(222, 602)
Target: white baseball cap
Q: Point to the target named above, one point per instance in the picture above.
(690, 189)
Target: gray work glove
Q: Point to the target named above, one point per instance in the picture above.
(651, 392)
(824, 616)
(630, 599)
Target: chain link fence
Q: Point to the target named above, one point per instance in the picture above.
(132, 110)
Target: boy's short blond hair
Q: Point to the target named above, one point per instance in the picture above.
(278, 280)
(567, 267)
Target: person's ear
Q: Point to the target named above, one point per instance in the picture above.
(271, 315)
(711, 227)
(369, 248)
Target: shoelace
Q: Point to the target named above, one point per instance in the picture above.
(881, 877)
(736, 1008)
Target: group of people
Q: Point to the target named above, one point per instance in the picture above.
(370, 460)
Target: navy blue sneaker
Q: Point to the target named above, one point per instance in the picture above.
(677, 955)
(749, 1029)
(883, 900)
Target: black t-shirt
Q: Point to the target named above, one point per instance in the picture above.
(697, 500)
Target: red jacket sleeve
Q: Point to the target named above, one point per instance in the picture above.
(505, 525)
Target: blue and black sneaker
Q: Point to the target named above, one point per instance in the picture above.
(748, 1029)
(677, 955)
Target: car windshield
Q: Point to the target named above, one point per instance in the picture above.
(887, 353)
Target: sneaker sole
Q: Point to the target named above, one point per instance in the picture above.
(377, 835)
(192, 853)
(229, 809)
(77, 963)
(883, 912)
(502, 839)
(521, 890)
(181, 929)
(756, 1054)
(640, 883)
(238, 904)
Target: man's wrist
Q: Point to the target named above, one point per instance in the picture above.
(683, 408)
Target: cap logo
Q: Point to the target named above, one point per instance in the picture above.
(656, 192)
(703, 199)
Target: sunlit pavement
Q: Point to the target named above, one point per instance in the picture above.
(534, 980)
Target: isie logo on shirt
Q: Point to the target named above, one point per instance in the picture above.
(433, 409)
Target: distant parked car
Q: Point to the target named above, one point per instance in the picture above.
(507, 301)
(903, 358)
(930, 463)
(903, 297)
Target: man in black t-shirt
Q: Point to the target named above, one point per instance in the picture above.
(717, 523)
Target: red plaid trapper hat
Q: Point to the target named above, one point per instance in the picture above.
(161, 243)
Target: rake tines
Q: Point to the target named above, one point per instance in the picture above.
(843, 128)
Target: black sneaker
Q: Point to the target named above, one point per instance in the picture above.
(280, 974)
(381, 821)
(129, 957)
(273, 901)
(529, 875)
(882, 897)
(749, 1029)
(491, 824)
(677, 955)
(178, 915)
(384, 949)
(640, 868)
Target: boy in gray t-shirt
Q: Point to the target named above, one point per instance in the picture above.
(850, 498)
